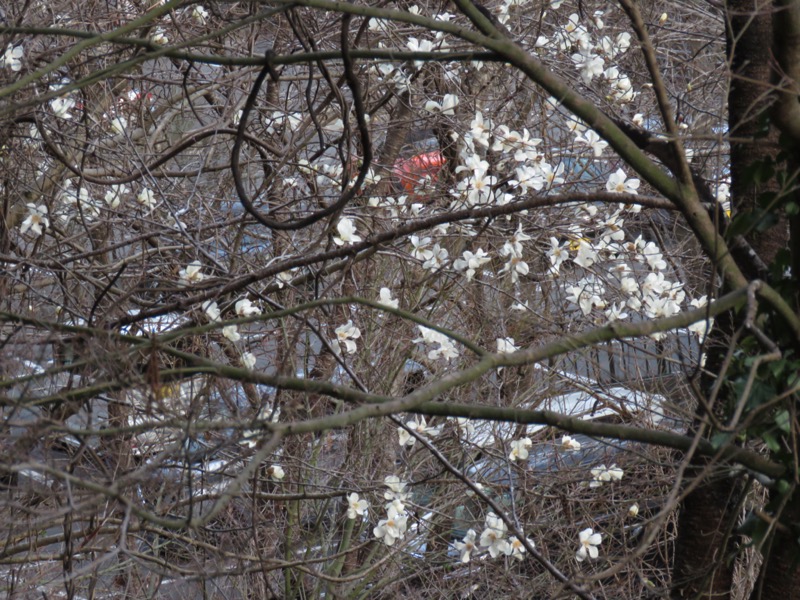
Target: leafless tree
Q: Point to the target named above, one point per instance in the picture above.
(318, 299)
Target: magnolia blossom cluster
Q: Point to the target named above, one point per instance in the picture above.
(516, 153)
(75, 201)
(192, 273)
(11, 58)
(519, 449)
(622, 278)
(492, 539)
(512, 250)
(593, 56)
(432, 255)
(394, 526)
(603, 474)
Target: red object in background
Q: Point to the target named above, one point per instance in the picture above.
(412, 173)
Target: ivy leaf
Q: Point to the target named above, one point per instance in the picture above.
(784, 421)
(772, 443)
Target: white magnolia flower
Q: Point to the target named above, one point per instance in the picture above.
(473, 163)
(478, 188)
(437, 259)
(506, 345)
(11, 58)
(465, 427)
(586, 255)
(618, 183)
(471, 262)
(724, 198)
(466, 546)
(518, 548)
(119, 125)
(347, 232)
(416, 45)
(420, 426)
(231, 332)
(616, 312)
(589, 541)
(516, 266)
(245, 308)
(633, 511)
(36, 220)
(446, 349)
(392, 528)
(492, 536)
(248, 360)
(447, 107)
(284, 278)
(622, 89)
(623, 42)
(629, 286)
(211, 309)
(114, 195)
(601, 475)
(552, 177)
(587, 293)
(398, 504)
(557, 254)
(594, 141)
(147, 198)
(700, 328)
(613, 228)
(346, 334)
(590, 65)
(520, 306)
(652, 254)
(191, 274)
(199, 14)
(276, 472)
(575, 125)
(513, 246)
(481, 130)
(62, 106)
(396, 487)
(568, 443)
(422, 247)
(356, 507)
(78, 201)
(508, 140)
(519, 449)
(159, 37)
(385, 298)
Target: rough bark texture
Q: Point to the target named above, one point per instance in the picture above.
(780, 573)
(701, 569)
(704, 547)
(749, 43)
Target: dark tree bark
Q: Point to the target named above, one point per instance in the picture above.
(705, 548)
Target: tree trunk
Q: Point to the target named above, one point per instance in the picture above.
(703, 566)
